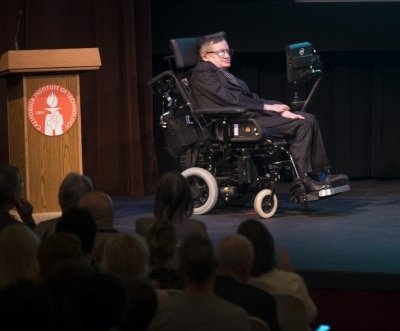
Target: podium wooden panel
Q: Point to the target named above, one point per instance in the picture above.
(44, 160)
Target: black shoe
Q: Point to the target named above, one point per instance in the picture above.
(331, 178)
(312, 185)
(337, 180)
(327, 176)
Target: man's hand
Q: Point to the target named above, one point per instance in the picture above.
(276, 107)
(289, 114)
(25, 210)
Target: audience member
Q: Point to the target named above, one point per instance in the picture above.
(10, 198)
(56, 249)
(101, 208)
(161, 240)
(97, 302)
(142, 306)
(174, 204)
(79, 222)
(62, 264)
(198, 308)
(126, 256)
(73, 186)
(235, 256)
(26, 306)
(265, 273)
(18, 261)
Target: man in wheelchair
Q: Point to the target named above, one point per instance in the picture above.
(232, 145)
(213, 86)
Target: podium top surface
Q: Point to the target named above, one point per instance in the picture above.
(46, 60)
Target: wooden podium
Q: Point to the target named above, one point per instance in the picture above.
(49, 76)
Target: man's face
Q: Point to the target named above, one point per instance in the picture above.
(218, 53)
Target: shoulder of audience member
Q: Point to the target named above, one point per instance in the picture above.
(289, 276)
(200, 224)
(45, 228)
(143, 224)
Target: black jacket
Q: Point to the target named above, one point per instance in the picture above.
(211, 89)
(255, 301)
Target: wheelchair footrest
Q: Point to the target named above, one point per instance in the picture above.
(333, 191)
(299, 194)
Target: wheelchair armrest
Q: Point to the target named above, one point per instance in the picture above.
(226, 110)
(156, 79)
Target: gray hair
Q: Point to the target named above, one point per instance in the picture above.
(72, 188)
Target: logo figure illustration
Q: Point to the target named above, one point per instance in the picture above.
(54, 121)
(52, 110)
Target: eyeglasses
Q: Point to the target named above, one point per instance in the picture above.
(221, 53)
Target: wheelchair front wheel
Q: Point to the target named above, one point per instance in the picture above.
(204, 189)
(264, 204)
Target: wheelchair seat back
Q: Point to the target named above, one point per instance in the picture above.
(186, 50)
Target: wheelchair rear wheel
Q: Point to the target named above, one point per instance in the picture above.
(204, 189)
(265, 204)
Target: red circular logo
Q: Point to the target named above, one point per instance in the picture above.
(52, 110)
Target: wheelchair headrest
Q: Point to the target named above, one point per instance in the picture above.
(186, 50)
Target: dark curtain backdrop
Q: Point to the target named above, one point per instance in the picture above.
(357, 103)
(116, 105)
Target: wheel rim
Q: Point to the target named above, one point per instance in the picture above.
(267, 203)
(199, 189)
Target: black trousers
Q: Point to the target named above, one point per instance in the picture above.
(305, 142)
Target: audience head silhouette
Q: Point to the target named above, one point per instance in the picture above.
(142, 305)
(73, 186)
(96, 302)
(196, 259)
(59, 248)
(235, 255)
(26, 305)
(18, 261)
(173, 201)
(10, 186)
(126, 256)
(79, 222)
(100, 207)
(263, 244)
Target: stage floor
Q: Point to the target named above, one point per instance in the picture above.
(353, 234)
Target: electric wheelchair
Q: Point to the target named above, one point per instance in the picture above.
(224, 154)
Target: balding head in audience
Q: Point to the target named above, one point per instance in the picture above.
(235, 256)
(100, 207)
(196, 260)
